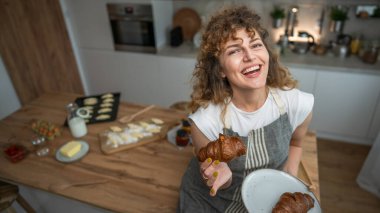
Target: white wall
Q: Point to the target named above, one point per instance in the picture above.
(9, 101)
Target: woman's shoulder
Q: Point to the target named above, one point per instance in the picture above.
(209, 113)
(294, 95)
(207, 119)
(298, 104)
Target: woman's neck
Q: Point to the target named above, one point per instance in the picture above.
(250, 101)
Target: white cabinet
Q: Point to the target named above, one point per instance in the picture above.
(345, 104)
(375, 126)
(305, 77)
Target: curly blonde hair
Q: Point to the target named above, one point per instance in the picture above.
(208, 84)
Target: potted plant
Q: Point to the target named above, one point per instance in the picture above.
(277, 14)
(338, 16)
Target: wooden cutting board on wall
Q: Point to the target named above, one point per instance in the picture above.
(36, 49)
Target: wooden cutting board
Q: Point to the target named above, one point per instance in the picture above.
(107, 149)
(305, 177)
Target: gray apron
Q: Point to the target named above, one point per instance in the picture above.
(267, 147)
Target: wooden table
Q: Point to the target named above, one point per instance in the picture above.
(142, 179)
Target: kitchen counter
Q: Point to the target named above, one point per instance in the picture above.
(290, 59)
(143, 179)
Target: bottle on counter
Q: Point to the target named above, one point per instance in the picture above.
(355, 44)
(76, 123)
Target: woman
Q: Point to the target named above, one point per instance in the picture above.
(241, 89)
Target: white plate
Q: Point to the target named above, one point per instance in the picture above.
(82, 152)
(262, 189)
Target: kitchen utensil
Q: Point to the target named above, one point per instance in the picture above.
(262, 189)
(303, 173)
(189, 20)
(129, 118)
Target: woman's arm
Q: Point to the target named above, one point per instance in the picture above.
(199, 140)
(216, 175)
(295, 148)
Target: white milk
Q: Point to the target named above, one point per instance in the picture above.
(77, 127)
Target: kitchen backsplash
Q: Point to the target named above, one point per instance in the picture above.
(309, 15)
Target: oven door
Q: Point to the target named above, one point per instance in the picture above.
(133, 34)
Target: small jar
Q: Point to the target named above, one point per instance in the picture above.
(370, 55)
(76, 123)
(182, 138)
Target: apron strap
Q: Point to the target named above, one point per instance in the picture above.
(227, 118)
(278, 100)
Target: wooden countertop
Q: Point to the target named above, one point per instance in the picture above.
(142, 179)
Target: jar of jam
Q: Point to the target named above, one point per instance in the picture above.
(182, 137)
(186, 126)
(370, 55)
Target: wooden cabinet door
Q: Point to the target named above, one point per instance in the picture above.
(36, 49)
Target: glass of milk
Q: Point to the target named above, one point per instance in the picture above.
(76, 123)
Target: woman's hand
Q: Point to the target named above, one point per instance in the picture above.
(217, 175)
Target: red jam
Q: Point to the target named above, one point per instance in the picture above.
(15, 153)
(182, 138)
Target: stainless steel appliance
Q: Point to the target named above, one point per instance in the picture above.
(132, 27)
(303, 42)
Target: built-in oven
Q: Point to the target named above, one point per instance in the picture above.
(132, 27)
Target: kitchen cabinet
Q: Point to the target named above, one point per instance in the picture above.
(305, 77)
(375, 125)
(36, 49)
(345, 104)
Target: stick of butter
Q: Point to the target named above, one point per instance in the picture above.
(70, 149)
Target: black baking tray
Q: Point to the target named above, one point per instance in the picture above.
(96, 107)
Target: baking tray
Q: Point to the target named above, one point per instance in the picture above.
(99, 105)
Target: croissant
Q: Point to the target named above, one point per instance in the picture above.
(296, 202)
(225, 148)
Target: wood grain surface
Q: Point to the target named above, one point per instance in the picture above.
(35, 48)
(143, 179)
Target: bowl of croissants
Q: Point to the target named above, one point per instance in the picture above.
(269, 190)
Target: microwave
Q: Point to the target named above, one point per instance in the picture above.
(132, 27)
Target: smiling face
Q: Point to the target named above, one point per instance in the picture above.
(245, 62)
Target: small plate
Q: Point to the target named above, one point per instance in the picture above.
(83, 151)
(262, 189)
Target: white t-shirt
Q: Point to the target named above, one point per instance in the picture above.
(298, 106)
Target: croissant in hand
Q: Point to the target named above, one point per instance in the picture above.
(225, 148)
(296, 202)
